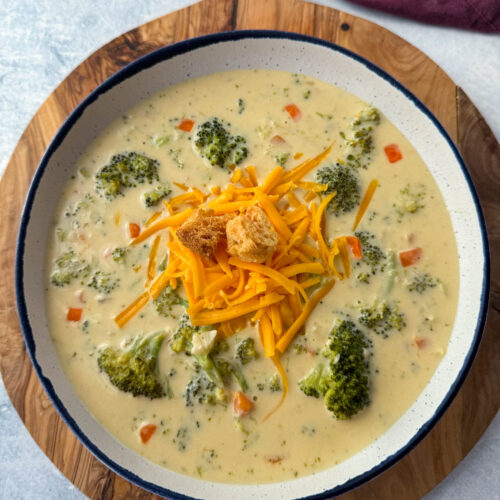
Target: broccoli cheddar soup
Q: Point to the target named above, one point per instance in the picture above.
(251, 276)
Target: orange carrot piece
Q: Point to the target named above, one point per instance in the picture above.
(355, 246)
(74, 314)
(186, 125)
(241, 404)
(146, 432)
(410, 257)
(370, 191)
(134, 229)
(277, 140)
(294, 112)
(393, 153)
(420, 342)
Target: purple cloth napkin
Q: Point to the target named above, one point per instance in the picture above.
(478, 15)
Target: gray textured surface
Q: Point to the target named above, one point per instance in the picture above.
(41, 42)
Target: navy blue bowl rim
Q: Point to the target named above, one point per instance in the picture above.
(145, 62)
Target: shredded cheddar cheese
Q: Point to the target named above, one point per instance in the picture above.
(226, 291)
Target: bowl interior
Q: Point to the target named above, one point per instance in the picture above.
(273, 50)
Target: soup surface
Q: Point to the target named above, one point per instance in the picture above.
(399, 297)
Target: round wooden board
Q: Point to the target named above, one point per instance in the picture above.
(478, 400)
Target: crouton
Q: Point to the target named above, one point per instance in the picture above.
(202, 232)
(251, 236)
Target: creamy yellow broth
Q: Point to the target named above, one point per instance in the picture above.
(302, 437)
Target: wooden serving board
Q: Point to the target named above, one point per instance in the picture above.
(478, 400)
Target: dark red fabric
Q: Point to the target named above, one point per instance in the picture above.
(478, 15)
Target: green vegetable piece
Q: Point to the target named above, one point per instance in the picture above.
(275, 383)
(374, 259)
(167, 299)
(152, 198)
(410, 199)
(241, 106)
(245, 351)
(382, 318)
(160, 141)
(103, 282)
(182, 341)
(68, 267)
(119, 254)
(281, 159)
(134, 369)
(345, 182)
(344, 384)
(421, 282)
(218, 146)
(125, 170)
(201, 390)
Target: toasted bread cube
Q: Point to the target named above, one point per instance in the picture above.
(251, 236)
(203, 232)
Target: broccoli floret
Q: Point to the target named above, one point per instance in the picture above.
(119, 254)
(275, 383)
(361, 142)
(421, 282)
(182, 341)
(227, 370)
(345, 182)
(152, 198)
(369, 115)
(344, 384)
(167, 299)
(410, 199)
(67, 268)
(183, 336)
(218, 146)
(382, 318)
(103, 282)
(373, 257)
(134, 369)
(202, 390)
(241, 106)
(125, 170)
(245, 351)
(281, 159)
(315, 384)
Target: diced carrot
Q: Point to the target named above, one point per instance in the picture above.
(241, 404)
(146, 432)
(134, 229)
(277, 140)
(296, 156)
(74, 314)
(419, 342)
(355, 246)
(393, 153)
(410, 257)
(186, 125)
(294, 112)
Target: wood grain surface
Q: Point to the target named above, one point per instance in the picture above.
(478, 400)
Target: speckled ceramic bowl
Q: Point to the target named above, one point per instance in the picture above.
(274, 50)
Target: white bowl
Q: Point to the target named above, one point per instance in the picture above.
(273, 50)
